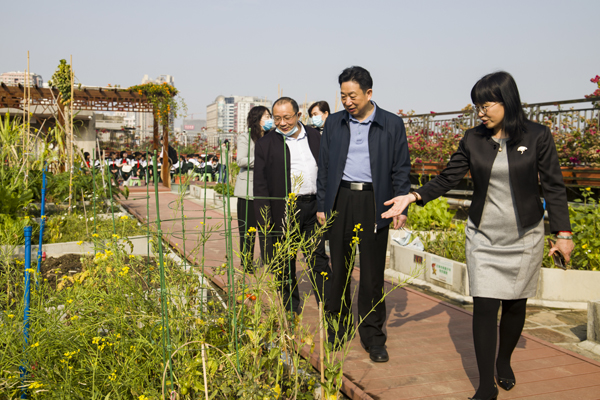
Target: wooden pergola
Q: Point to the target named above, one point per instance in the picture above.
(45, 101)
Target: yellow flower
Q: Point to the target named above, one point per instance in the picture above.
(115, 236)
(10, 315)
(69, 301)
(131, 256)
(80, 242)
(36, 344)
(35, 385)
(251, 229)
(357, 228)
(124, 271)
(142, 397)
(124, 217)
(74, 317)
(588, 189)
(113, 376)
(95, 235)
(585, 246)
(96, 340)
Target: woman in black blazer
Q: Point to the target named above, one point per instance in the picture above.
(505, 232)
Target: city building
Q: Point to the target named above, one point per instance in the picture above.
(227, 115)
(15, 78)
(192, 131)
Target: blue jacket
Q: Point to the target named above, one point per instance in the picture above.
(389, 158)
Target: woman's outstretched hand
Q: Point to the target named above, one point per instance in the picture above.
(399, 204)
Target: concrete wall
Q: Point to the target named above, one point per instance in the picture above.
(140, 248)
(593, 328)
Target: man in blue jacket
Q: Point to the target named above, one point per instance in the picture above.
(363, 160)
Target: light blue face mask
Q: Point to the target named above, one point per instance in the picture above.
(268, 125)
(317, 121)
(290, 133)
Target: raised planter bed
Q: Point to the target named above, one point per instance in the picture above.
(556, 288)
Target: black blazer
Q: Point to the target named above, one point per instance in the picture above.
(477, 152)
(271, 170)
(388, 155)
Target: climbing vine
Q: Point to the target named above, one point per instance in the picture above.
(164, 98)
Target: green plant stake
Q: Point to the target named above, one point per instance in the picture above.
(163, 296)
(112, 207)
(229, 246)
(148, 216)
(94, 195)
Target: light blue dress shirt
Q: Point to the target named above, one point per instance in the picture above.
(358, 162)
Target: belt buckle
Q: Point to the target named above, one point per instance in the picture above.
(356, 186)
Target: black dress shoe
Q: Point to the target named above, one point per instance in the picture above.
(494, 396)
(376, 353)
(506, 383)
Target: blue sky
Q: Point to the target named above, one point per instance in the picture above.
(423, 55)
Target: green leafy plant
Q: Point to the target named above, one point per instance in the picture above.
(221, 188)
(585, 223)
(435, 215)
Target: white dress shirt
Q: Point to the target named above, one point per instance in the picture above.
(302, 163)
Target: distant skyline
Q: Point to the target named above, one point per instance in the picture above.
(423, 55)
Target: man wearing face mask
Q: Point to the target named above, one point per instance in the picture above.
(286, 163)
(362, 135)
(318, 112)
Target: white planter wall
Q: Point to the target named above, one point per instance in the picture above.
(556, 288)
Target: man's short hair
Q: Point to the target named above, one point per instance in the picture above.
(358, 75)
(284, 100)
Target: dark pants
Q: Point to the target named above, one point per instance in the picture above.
(247, 240)
(358, 207)
(317, 262)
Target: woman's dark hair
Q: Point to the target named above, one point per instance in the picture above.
(501, 87)
(321, 105)
(254, 117)
(86, 156)
(358, 75)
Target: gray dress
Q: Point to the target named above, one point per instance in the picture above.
(503, 259)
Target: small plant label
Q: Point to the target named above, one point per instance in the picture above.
(441, 270)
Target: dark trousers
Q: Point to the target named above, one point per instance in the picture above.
(358, 207)
(317, 262)
(247, 240)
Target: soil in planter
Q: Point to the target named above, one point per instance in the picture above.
(54, 268)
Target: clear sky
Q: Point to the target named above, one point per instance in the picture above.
(423, 55)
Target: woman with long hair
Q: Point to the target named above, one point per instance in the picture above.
(505, 231)
(259, 122)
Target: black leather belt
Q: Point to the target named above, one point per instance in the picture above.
(305, 198)
(357, 185)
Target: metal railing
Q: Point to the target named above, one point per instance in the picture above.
(558, 115)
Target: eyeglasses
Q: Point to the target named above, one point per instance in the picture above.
(287, 118)
(483, 110)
